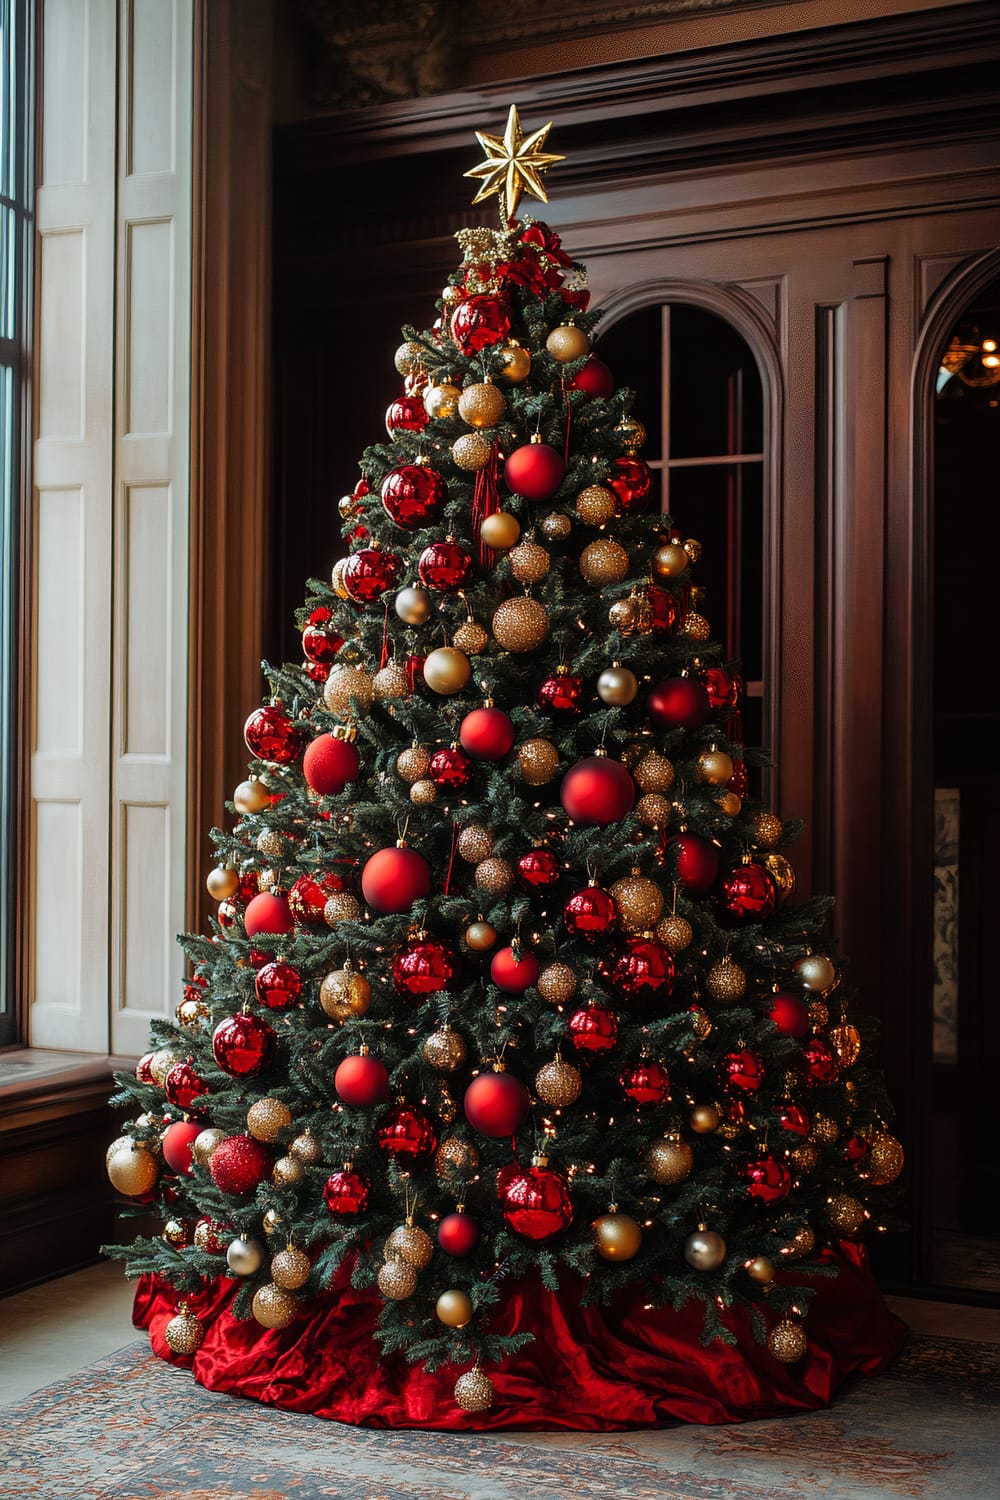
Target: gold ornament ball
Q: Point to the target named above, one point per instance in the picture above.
(409, 357)
(730, 804)
(885, 1159)
(390, 682)
(423, 793)
(184, 1333)
(501, 530)
(132, 1171)
(669, 1161)
(447, 670)
(558, 1084)
(557, 984)
(539, 760)
(273, 1307)
(291, 1269)
(781, 872)
(631, 434)
(337, 578)
(617, 686)
(845, 1040)
(704, 1250)
(205, 1143)
(245, 1257)
(787, 1341)
(529, 563)
(475, 843)
(122, 1142)
(341, 907)
(161, 1062)
(482, 405)
(266, 880)
(474, 1391)
(639, 901)
(414, 764)
(441, 401)
(272, 1221)
(456, 1156)
(825, 1129)
(701, 1022)
(616, 1236)
(519, 625)
(595, 505)
(555, 527)
(222, 883)
(625, 616)
(471, 451)
(714, 767)
(494, 876)
(567, 343)
(652, 810)
(726, 981)
(516, 363)
(767, 829)
(695, 627)
(287, 1171)
(413, 606)
(445, 1050)
(670, 561)
(471, 638)
(845, 1214)
(454, 1308)
(411, 1244)
(344, 994)
(251, 796)
(306, 1149)
(653, 772)
(270, 844)
(761, 1270)
(347, 683)
(802, 1243)
(480, 937)
(191, 1012)
(704, 1118)
(692, 547)
(815, 971)
(603, 562)
(819, 1014)
(175, 1232)
(805, 1158)
(675, 933)
(267, 1118)
(397, 1280)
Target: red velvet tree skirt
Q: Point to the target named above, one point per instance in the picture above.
(587, 1369)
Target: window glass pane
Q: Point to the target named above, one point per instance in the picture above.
(8, 244)
(715, 392)
(8, 54)
(633, 350)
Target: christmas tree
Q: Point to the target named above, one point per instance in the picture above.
(506, 1006)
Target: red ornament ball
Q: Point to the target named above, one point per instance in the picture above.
(271, 735)
(768, 1180)
(451, 768)
(747, 894)
(538, 869)
(458, 1235)
(642, 971)
(444, 566)
(182, 1085)
(238, 1164)
(679, 703)
(479, 322)
(406, 414)
(309, 895)
(590, 914)
(819, 1063)
(593, 1030)
(646, 1082)
(632, 482)
(177, 1144)
(423, 967)
(560, 694)
(496, 1104)
(742, 1069)
(243, 1045)
(369, 573)
(268, 913)
(597, 791)
(277, 986)
(362, 1081)
(794, 1118)
(697, 862)
(143, 1068)
(595, 379)
(788, 1013)
(512, 973)
(664, 611)
(414, 494)
(723, 690)
(406, 1131)
(534, 471)
(536, 1203)
(320, 646)
(855, 1149)
(394, 878)
(346, 1193)
(487, 734)
(329, 764)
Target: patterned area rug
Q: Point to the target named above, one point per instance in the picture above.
(134, 1428)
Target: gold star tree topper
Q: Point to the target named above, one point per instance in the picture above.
(514, 164)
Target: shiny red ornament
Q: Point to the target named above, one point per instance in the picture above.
(216, 1237)
(496, 1104)
(182, 1085)
(268, 913)
(590, 914)
(768, 1180)
(723, 690)
(855, 1149)
(560, 694)
(238, 1164)
(143, 1069)
(277, 985)
(249, 882)
(243, 1045)
(819, 1063)
(423, 967)
(679, 703)
(747, 894)
(794, 1118)
(458, 1235)
(642, 971)
(194, 988)
(316, 671)
(346, 1193)
(394, 878)
(413, 495)
(309, 895)
(646, 1082)
(177, 1144)
(451, 768)
(538, 869)
(406, 1131)
(632, 482)
(406, 414)
(319, 645)
(534, 471)
(369, 573)
(595, 379)
(329, 764)
(789, 1014)
(593, 1030)
(663, 609)
(271, 735)
(597, 791)
(479, 322)
(697, 862)
(226, 915)
(444, 566)
(742, 1069)
(536, 1203)
(513, 973)
(487, 734)
(362, 1081)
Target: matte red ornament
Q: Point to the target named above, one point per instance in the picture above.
(406, 414)
(819, 1063)
(679, 703)
(320, 646)
(444, 566)
(632, 482)
(590, 914)
(368, 573)
(479, 322)
(538, 869)
(593, 1030)
(794, 1118)
(646, 1082)
(536, 1203)
(487, 734)
(268, 913)
(413, 495)
(451, 768)
(309, 895)
(723, 690)
(768, 1180)
(406, 1131)
(182, 1085)
(329, 764)
(346, 1193)
(534, 471)
(423, 967)
(789, 1014)
(496, 1104)
(597, 791)
(271, 735)
(177, 1144)
(238, 1164)
(362, 1081)
(697, 862)
(243, 1045)
(216, 1237)
(458, 1235)
(143, 1070)
(641, 971)
(742, 1069)
(512, 973)
(664, 611)
(394, 878)
(277, 985)
(747, 894)
(560, 694)
(595, 379)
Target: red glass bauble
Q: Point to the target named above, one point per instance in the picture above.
(641, 971)
(819, 1063)
(268, 913)
(215, 1237)
(742, 1069)
(226, 915)
(597, 791)
(406, 1131)
(320, 646)
(594, 1029)
(590, 914)
(560, 694)
(768, 1180)
(536, 1203)
(747, 894)
(632, 482)
(143, 1069)
(479, 322)
(406, 414)
(308, 896)
(413, 495)
(394, 878)
(739, 782)
(538, 869)
(646, 1082)
(249, 882)
(855, 1149)
(595, 379)
(423, 966)
(697, 862)
(271, 735)
(679, 703)
(362, 1081)
(238, 1164)
(368, 573)
(346, 1193)
(177, 1144)
(194, 988)
(182, 1085)
(277, 986)
(794, 1118)
(496, 1104)
(444, 566)
(242, 1045)
(534, 471)
(789, 1014)
(512, 973)
(458, 1235)
(316, 671)
(664, 611)
(487, 734)
(723, 690)
(451, 768)
(329, 764)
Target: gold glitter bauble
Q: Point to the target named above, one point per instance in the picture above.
(397, 1280)
(423, 793)
(267, 1118)
(730, 804)
(443, 1102)
(454, 1308)
(494, 876)
(446, 670)
(455, 1156)
(652, 810)
(474, 1391)
(481, 405)
(846, 1042)
(390, 682)
(480, 937)
(341, 907)
(669, 1161)
(520, 624)
(273, 1307)
(441, 401)
(539, 760)
(133, 1171)
(787, 1341)
(780, 870)
(270, 844)
(639, 901)
(205, 1143)
(471, 638)
(767, 828)
(409, 357)
(345, 683)
(471, 451)
(558, 1084)
(726, 981)
(161, 1062)
(596, 505)
(555, 527)
(805, 1158)
(306, 1149)
(623, 616)
(516, 363)
(603, 561)
(222, 883)
(414, 763)
(670, 561)
(192, 1012)
(695, 627)
(502, 531)
(714, 767)
(616, 1236)
(631, 434)
(705, 1118)
(528, 562)
(557, 984)
(802, 1243)
(819, 1014)
(411, 1244)
(475, 843)
(445, 1050)
(825, 1129)
(844, 1214)
(675, 933)
(176, 1232)
(345, 994)
(287, 1171)
(291, 1269)
(251, 796)
(885, 1159)
(701, 1023)
(653, 772)
(184, 1334)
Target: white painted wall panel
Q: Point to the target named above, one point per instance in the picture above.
(59, 592)
(61, 341)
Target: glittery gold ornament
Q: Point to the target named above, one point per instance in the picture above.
(441, 401)
(251, 796)
(132, 1170)
(639, 901)
(444, 1103)
(454, 1308)
(445, 1050)
(471, 451)
(695, 627)
(475, 842)
(787, 1341)
(805, 1158)
(423, 792)
(480, 937)
(528, 562)
(652, 810)
(287, 1171)
(520, 624)
(705, 1118)
(192, 1012)
(617, 1236)
(602, 562)
(474, 1391)
(844, 1214)
(176, 1232)
(471, 638)
(624, 616)
(390, 682)
(802, 1242)
(846, 1042)
(306, 1149)
(730, 804)
(291, 1268)
(653, 772)
(222, 883)
(714, 766)
(205, 1143)
(501, 531)
(184, 1334)
(705, 1249)
(595, 505)
(631, 434)
(494, 876)
(411, 1244)
(341, 907)
(267, 1118)
(482, 405)
(885, 1159)
(516, 363)
(825, 1129)
(819, 1014)
(780, 870)
(455, 1156)
(567, 343)
(347, 683)
(557, 984)
(555, 527)
(409, 357)
(270, 844)
(273, 1307)
(414, 763)
(161, 1062)
(726, 981)
(397, 1280)
(538, 760)
(345, 994)
(675, 933)
(669, 1161)
(767, 829)
(669, 561)
(558, 1084)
